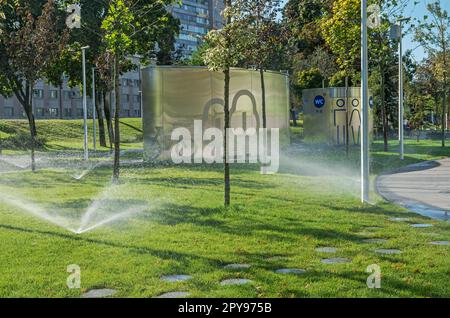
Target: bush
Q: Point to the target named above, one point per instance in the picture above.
(22, 141)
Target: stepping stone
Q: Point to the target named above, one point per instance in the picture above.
(399, 219)
(421, 225)
(365, 234)
(388, 251)
(338, 260)
(174, 295)
(99, 293)
(326, 249)
(237, 266)
(371, 228)
(296, 271)
(235, 281)
(176, 278)
(440, 243)
(375, 241)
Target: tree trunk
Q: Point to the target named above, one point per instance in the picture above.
(101, 124)
(116, 169)
(31, 123)
(384, 114)
(294, 119)
(60, 101)
(225, 138)
(443, 119)
(107, 108)
(263, 96)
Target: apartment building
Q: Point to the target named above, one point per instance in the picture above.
(50, 102)
(196, 17)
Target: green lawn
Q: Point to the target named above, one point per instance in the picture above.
(67, 135)
(313, 202)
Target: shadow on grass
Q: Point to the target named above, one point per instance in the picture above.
(183, 258)
(247, 226)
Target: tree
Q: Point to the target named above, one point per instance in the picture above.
(342, 33)
(196, 59)
(31, 38)
(302, 18)
(225, 48)
(435, 37)
(264, 36)
(131, 27)
(302, 23)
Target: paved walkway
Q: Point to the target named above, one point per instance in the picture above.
(423, 188)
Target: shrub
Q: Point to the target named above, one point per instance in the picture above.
(22, 141)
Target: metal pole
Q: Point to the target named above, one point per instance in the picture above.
(401, 97)
(94, 117)
(364, 106)
(140, 89)
(347, 135)
(86, 150)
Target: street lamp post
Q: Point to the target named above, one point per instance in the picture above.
(398, 34)
(364, 106)
(94, 117)
(86, 150)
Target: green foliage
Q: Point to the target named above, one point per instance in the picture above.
(22, 141)
(196, 58)
(119, 26)
(310, 78)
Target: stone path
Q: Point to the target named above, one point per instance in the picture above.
(423, 188)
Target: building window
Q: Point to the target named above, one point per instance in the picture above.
(38, 93)
(40, 112)
(8, 111)
(136, 98)
(53, 112)
(53, 94)
(67, 95)
(79, 112)
(137, 112)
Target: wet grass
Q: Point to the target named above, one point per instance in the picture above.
(313, 202)
(184, 230)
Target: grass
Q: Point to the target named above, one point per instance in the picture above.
(67, 135)
(184, 230)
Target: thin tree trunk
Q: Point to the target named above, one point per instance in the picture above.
(31, 123)
(444, 111)
(384, 113)
(225, 138)
(60, 101)
(226, 107)
(263, 96)
(101, 123)
(107, 108)
(116, 170)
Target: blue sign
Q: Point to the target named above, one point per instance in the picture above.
(319, 101)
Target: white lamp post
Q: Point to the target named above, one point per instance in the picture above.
(86, 150)
(364, 106)
(93, 110)
(396, 34)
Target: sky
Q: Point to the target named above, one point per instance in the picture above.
(416, 11)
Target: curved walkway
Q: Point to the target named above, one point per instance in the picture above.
(423, 188)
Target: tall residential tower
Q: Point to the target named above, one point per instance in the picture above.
(197, 17)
